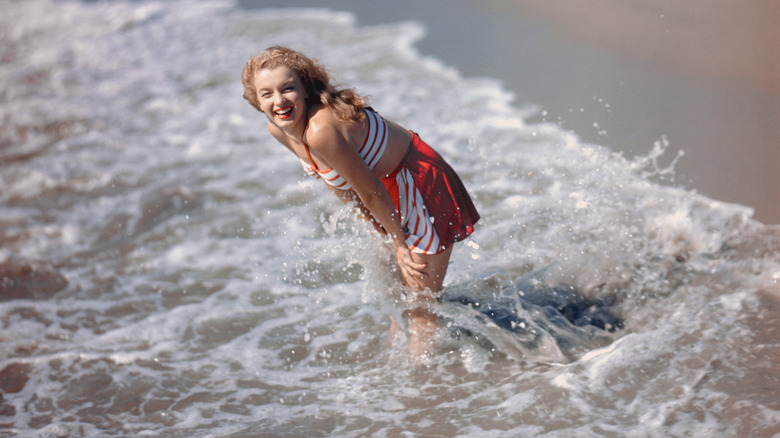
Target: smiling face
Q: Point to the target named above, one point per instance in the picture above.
(281, 96)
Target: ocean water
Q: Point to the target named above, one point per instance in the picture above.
(168, 270)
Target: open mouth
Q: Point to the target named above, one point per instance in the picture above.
(284, 113)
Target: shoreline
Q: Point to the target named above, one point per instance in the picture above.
(706, 77)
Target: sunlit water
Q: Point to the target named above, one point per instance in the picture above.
(168, 269)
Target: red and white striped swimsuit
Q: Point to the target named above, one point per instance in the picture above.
(419, 233)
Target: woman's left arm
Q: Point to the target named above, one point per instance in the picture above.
(334, 147)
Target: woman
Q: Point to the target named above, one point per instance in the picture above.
(398, 182)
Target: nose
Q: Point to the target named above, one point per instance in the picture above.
(279, 99)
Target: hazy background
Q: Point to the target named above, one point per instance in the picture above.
(704, 74)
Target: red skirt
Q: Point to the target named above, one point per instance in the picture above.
(436, 210)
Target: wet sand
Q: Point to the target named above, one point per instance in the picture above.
(703, 75)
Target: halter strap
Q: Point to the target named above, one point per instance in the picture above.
(306, 146)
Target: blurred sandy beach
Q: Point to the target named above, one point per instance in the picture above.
(704, 75)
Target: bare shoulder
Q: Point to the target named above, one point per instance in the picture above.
(325, 129)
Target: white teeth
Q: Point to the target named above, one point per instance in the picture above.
(283, 112)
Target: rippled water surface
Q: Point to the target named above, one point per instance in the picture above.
(168, 270)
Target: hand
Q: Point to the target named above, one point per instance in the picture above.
(412, 272)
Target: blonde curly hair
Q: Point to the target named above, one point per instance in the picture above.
(346, 104)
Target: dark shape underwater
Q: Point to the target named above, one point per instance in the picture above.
(530, 303)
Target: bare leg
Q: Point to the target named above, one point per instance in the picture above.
(421, 321)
